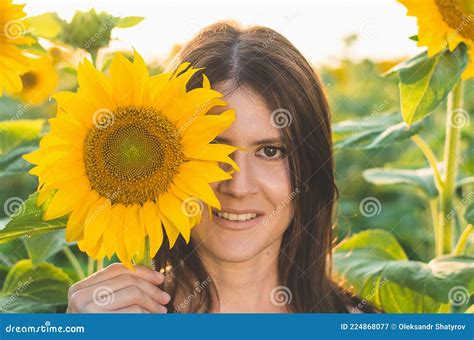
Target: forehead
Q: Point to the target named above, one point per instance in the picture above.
(253, 116)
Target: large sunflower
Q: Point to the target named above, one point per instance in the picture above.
(128, 154)
(40, 81)
(13, 62)
(444, 23)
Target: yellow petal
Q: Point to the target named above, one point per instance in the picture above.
(75, 224)
(172, 208)
(66, 199)
(171, 231)
(207, 128)
(134, 234)
(96, 221)
(153, 226)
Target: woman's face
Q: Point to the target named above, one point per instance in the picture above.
(255, 205)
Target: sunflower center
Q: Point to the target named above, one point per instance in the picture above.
(459, 15)
(135, 157)
(29, 80)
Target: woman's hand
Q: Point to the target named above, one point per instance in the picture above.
(116, 289)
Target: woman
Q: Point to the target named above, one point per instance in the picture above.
(269, 249)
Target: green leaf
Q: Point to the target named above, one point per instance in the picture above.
(128, 22)
(42, 247)
(422, 179)
(16, 166)
(30, 221)
(425, 82)
(12, 252)
(47, 25)
(469, 213)
(373, 132)
(43, 287)
(376, 267)
(19, 133)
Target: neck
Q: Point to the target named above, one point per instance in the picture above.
(245, 287)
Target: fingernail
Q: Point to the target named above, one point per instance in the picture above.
(159, 274)
(166, 296)
(164, 309)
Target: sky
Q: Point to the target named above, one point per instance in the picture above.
(317, 28)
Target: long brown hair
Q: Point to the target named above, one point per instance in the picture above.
(269, 64)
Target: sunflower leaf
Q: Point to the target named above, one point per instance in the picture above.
(425, 82)
(11, 252)
(28, 220)
(376, 266)
(422, 179)
(469, 214)
(19, 133)
(128, 22)
(30, 289)
(376, 132)
(47, 25)
(43, 246)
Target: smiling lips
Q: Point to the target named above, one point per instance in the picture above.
(233, 219)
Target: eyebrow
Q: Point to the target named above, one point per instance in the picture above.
(255, 143)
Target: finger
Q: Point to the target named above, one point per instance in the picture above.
(101, 290)
(114, 270)
(128, 296)
(130, 309)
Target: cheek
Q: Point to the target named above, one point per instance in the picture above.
(274, 196)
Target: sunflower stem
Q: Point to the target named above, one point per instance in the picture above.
(461, 245)
(74, 262)
(145, 258)
(431, 158)
(437, 232)
(451, 151)
(90, 266)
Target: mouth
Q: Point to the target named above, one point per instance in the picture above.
(237, 220)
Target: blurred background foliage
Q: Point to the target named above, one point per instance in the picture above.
(357, 90)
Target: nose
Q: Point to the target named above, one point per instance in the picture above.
(243, 182)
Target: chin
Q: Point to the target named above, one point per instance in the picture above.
(228, 247)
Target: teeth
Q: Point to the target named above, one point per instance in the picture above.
(236, 217)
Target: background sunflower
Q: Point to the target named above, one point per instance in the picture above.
(13, 62)
(444, 23)
(40, 81)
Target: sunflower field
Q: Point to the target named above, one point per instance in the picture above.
(403, 143)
